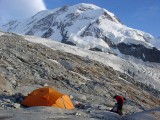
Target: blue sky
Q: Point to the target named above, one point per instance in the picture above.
(139, 14)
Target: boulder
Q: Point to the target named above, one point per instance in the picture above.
(45, 84)
(16, 105)
(80, 97)
(66, 64)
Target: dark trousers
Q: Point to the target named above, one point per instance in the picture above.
(120, 105)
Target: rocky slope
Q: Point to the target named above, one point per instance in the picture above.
(25, 66)
(91, 27)
(145, 72)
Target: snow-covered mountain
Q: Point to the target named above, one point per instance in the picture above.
(90, 27)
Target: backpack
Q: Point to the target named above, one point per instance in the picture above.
(115, 108)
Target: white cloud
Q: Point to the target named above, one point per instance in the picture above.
(19, 9)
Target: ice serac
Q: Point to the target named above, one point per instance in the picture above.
(90, 27)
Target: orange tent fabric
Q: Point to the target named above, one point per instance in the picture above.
(48, 97)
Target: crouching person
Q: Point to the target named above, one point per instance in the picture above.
(118, 106)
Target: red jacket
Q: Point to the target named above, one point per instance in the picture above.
(119, 98)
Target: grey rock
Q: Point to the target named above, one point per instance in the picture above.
(80, 97)
(66, 64)
(45, 84)
(7, 100)
(71, 96)
(16, 105)
(141, 52)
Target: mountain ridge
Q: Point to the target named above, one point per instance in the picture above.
(88, 26)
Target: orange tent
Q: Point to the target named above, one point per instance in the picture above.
(48, 97)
